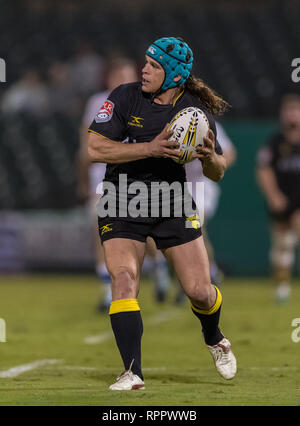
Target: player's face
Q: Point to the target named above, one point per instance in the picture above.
(153, 75)
(290, 121)
(290, 114)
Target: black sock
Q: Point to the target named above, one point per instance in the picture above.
(128, 330)
(210, 321)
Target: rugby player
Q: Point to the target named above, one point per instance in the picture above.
(141, 112)
(278, 174)
(118, 71)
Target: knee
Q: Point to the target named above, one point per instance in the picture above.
(124, 282)
(202, 296)
(282, 250)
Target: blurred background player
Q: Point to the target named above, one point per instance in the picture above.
(118, 71)
(157, 268)
(278, 174)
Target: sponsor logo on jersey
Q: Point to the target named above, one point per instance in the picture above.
(106, 228)
(135, 121)
(193, 222)
(105, 113)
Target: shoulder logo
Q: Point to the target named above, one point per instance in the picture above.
(105, 113)
(136, 121)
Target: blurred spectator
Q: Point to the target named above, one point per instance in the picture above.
(29, 94)
(118, 71)
(86, 70)
(278, 176)
(62, 97)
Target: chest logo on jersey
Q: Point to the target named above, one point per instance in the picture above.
(136, 121)
(105, 113)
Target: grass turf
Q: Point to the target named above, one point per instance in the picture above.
(49, 317)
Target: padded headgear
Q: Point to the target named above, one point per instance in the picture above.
(176, 58)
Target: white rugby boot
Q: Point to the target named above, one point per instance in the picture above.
(224, 358)
(128, 381)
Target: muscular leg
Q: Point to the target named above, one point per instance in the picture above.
(191, 265)
(124, 260)
(215, 272)
(190, 262)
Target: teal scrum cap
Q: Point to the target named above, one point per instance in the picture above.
(176, 58)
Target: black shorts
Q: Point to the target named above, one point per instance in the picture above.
(166, 232)
(286, 214)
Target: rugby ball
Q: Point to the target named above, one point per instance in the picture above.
(189, 125)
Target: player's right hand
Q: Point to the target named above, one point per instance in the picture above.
(161, 146)
(278, 202)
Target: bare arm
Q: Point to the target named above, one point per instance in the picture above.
(214, 165)
(268, 184)
(103, 150)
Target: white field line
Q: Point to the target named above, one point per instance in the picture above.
(275, 368)
(152, 321)
(19, 369)
(99, 338)
(163, 316)
(82, 368)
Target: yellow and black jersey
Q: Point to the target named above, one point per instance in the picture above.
(130, 114)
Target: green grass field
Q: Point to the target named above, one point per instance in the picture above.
(51, 319)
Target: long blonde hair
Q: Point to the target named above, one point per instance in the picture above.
(213, 102)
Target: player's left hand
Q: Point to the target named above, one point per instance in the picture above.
(206, 151)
